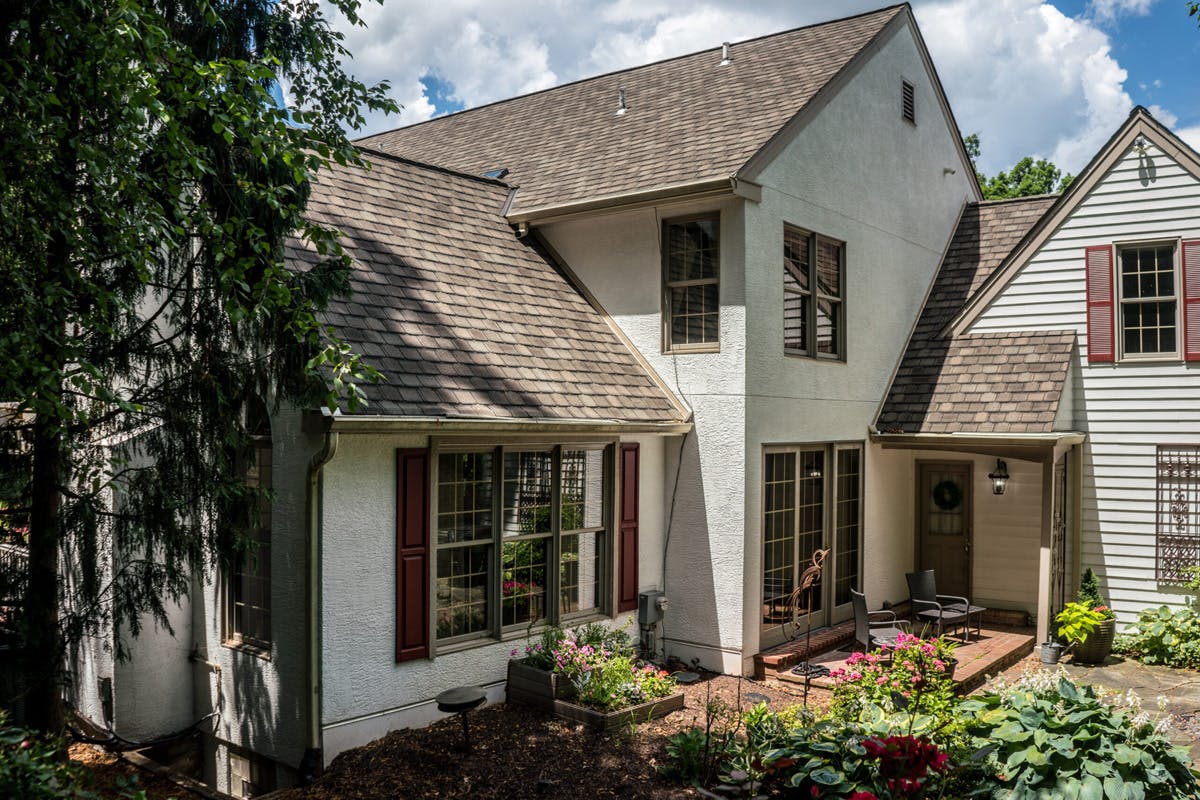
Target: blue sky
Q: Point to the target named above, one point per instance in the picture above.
(1050, 78)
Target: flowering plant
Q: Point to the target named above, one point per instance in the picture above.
(914, 675)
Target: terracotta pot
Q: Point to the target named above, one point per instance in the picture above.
(1096, 647)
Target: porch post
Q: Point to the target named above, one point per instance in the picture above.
(1044, 554)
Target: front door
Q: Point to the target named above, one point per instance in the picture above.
(944, 524)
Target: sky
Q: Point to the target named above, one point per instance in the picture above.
(1047, 79)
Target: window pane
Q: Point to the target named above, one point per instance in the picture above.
(1147, 272)
(523, 581)
(1148, 327)
(464, 497)
(461, 595)
(828, 324)
(692, 250)
(812, 513)
(582, 489)
(779, 522)
(528, 479)
(829, 268)
(580, 571)
(849, 529)
(793, 322)
(694, 314)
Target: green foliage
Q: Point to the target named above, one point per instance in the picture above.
(148, 188)
(1027, 177)
(34, 767)
(1164, 636)
(613, 682)
(1048, 737)
(1089, 594)
(1078, 621)
(912, 678)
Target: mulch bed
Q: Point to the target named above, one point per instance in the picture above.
(107, 771)
(522, 752)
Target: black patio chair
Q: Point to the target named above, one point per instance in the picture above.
(873, 633)
(942, 611)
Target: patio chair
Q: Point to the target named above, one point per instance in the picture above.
(943, 611)
(873, 633)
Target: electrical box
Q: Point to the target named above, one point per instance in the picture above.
(651, 606)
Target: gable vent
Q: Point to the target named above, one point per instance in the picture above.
(908, 102)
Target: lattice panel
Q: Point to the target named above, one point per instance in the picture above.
(1177, 511)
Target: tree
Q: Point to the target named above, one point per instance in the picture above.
(147, 188)
(1027, 177)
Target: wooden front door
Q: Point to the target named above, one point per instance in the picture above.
(944, 524)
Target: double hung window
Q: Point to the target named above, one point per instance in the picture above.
(1149, 307)
(248, 586)
(691, 284)
(522, 537)
(813, 294)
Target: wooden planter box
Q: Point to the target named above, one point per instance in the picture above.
(536, 687)
(611, 720)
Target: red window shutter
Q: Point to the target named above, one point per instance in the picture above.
(1100, 311)
(412, 554)
(1191, 300)
(627, 542)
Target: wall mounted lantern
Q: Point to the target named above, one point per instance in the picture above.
(999, 478)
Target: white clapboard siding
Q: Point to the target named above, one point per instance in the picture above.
(1128, 408)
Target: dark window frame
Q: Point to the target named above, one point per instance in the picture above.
(669, 344)
(1121, 301)
(237, 628)
(812, 296)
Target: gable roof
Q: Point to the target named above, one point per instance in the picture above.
(1139, 123)
(462, 318)
(983, 383)
(690, 120)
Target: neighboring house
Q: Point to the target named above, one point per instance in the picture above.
(1062, 335)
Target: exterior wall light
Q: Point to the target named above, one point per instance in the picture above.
(999, 478)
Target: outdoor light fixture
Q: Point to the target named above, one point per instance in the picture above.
(999, 478)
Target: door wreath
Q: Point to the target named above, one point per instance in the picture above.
(947, 495)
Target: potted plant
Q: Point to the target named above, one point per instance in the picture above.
(1077, 622)
(1096, 646)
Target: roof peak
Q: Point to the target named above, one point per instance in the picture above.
(717, 49)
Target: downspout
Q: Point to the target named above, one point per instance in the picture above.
(312, 764)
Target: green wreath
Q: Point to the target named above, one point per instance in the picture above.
(946, 495)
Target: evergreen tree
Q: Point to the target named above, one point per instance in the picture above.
(147, 188)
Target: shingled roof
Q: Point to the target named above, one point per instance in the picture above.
(688, 119)
(987, 382)
(463, 318)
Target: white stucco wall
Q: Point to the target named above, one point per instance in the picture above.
(861, 174)
(1126, 408)
(365, 693)
(618, 257)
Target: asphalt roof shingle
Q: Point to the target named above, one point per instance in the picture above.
(984, 382)
(462, 317)
(688, 118)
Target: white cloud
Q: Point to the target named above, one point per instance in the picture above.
(1191, 136)
(1109, 10)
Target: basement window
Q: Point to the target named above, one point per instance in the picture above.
(908, 102)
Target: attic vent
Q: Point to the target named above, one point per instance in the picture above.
(621, 109)
(908, 103)
(725, 57)
(497, 174)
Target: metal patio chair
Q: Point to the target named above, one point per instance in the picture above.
(870, 633)
(942, 611)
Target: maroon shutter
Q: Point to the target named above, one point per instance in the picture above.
(1100, 312)
(627, 542)
(412, 554)
(1191, 300)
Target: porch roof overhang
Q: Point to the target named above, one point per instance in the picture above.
(1038, 447)
(322, 421)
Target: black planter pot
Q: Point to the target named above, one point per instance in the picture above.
(1097, 646)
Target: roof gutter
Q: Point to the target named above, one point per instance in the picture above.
(692, 190)
(362, 424)
(1035, 446)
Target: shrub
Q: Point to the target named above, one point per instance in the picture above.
(913, 677)
(609, 683)
(1078, 621)
(1163, 636)
(1047, 736)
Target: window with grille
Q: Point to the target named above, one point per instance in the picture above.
(1149, 305)
(692, 280)
(813, 294)
(522, 538)
(248, 587)
(908, 102)
(1178, 511)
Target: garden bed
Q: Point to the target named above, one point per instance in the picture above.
(622, 718)
(536, 687)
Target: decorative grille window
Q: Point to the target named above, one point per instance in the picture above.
(1178, 511)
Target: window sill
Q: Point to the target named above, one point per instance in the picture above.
(249, 649)
(826, 359)
(521, 633)
(688, 351)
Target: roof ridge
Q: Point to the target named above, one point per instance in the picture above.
(374, 151)
(577, 81)
(1026, 198)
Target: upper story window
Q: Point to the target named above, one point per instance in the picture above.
(1146, 286)
(814, 272)
(691, 284)
(248, 588)
(522, 538)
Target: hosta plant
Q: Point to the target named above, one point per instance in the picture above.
(1045, 736)
(1164, 636)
